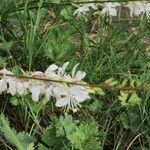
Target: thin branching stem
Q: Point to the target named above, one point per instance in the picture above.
(51, 4)
(104, 85)
(87, 2)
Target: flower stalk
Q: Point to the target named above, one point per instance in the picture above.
(104, 86)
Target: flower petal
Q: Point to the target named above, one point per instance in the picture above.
(82, 97)
(12, 87)
(37, 74)
(21, 89)
(74, 70)
(50, 69)
(36, 91)
(48, 93)
(3, 85)
(61, 91)
(61, 70)
(63, 102)
(80, 75)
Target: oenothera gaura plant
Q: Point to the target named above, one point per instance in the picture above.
(110, 9)
(69, 90)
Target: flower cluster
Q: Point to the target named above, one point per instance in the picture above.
(66, 95)
(138, 8)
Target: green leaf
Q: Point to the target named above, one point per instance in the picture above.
(134, 99)
(127, 98)
(8, 133)
(123, 97)
(30, 146)
(86, 137)
(2, 61)
(65, 13)
(14, 101)
(25, 139)
(6, 46)
(96, 106)
(42, 147)
(49, 138)
(21, 140)
(65, 126)
(111, 82)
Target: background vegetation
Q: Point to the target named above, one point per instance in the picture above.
(35, 34)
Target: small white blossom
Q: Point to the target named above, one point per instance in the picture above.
(61, 70)
(5, 71)
(110, 9)
(70, 97)
(79, 75)
(37, 74)
(36, 91)
(22, 87)
(51, 71)
(12, 89)
(55, 72)
(147, 10)
(75, 76)
(3, 85)
(66, 95)
(17, 86)
(82, 10)
(137, 8)
(49, 91)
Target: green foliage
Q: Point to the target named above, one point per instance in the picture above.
(133, 115)
(86, 137)
(6, 46)
(35, 34)
(66, 13)
(21, 140)
(65, 126)
(50, 139)
(96, 106)
(14, 100)
(128, 98)
(58, 44)
(66, 131)
(2, 61)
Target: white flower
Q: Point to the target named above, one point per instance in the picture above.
(37, 74)
(66, 95)
(75, 76)
(147, 10)
(70, 97)
(10, 80)
(84, 9)
(14, 85)
(79, 75)
(110, 9)
(3, 85)
(48, 91)
(5, 71)
(22, 87)
(51, 71)
(36, 90)
(61, 70)
(139, 8)
(17, 86)
(12, 89)
(55, 72)
(136, 8)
